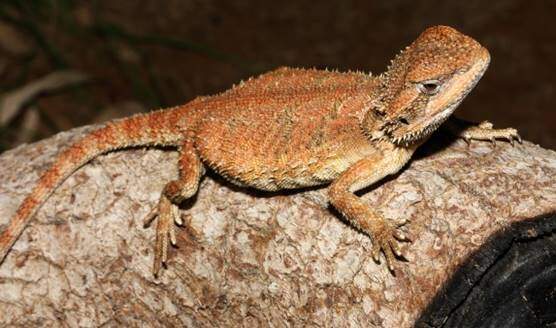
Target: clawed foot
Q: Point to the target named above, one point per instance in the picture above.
(485, 131)
(167, 214)
(386, 238)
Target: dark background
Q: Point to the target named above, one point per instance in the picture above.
(142, 55)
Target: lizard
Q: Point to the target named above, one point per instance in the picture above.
(292, 128)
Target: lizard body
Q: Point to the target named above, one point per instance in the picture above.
(294, 128)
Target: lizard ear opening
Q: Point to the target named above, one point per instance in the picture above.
(379, 111)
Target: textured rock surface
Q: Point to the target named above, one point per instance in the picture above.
(255, 259)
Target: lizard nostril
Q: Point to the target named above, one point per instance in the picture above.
(404, 120)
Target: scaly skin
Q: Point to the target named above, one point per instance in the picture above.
(293, 128)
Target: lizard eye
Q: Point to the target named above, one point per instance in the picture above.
(430, 87)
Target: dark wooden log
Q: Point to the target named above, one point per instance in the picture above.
(509, 282)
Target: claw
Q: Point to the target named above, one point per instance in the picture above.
(400, 236)
(391, 267)
(376, 253)
(178, 220)
(396, 249)
(389, 257)
(175, 214)
(149, 218)
(403, 258)
(486, 125)
(518, 137)
(172, 232)
(467, 140)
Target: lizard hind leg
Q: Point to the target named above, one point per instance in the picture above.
(175, 192)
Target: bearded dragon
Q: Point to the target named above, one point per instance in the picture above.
(294, 128)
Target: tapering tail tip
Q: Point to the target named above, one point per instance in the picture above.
(5, 244)
(16, 226)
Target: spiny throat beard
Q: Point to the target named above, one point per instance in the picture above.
(425, 130)
(414, 136)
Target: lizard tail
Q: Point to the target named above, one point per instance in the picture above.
(160, 128)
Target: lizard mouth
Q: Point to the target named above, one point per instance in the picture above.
(429, 126)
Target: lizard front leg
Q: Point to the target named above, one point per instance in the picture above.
(483, 131)
(190, 172)
(364, 173)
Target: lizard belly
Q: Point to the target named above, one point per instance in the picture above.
(275, 167)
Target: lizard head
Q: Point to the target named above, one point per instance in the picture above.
(424, 85)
